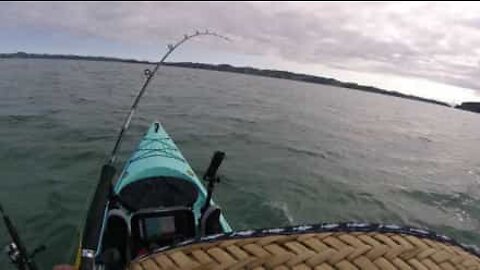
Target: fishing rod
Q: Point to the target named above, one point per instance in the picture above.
(104, 190)
(150, 75)
(16, 250)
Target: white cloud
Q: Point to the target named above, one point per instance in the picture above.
(435, 41)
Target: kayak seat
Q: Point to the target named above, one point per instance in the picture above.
(159, 192)
(210, 221)
(155, 228)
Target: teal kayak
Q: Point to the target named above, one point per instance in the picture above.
(156, 163)
(157, 201)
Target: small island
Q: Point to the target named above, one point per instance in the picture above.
(244, 70)
(469, 106)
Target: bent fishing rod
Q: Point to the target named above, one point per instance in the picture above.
(104, 191)
(150, 75)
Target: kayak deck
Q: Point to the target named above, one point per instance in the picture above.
(320, 249)
(156, 165)
(158, 201)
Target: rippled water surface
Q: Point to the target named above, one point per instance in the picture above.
(296, 152)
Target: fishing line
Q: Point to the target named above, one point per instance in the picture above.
(150, 74)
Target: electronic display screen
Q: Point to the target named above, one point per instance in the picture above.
(156, 227)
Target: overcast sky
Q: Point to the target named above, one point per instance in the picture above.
(427, 49)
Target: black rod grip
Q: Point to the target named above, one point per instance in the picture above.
(95, 214)
(217, 159)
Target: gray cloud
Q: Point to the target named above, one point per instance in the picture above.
(437, 41)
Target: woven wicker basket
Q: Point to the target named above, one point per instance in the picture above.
(324, 250)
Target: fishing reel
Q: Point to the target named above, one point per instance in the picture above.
(17, 258)
(13, 253)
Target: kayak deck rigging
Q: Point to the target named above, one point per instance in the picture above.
(164, 151)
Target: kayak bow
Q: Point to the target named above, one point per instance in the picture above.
(158, 175)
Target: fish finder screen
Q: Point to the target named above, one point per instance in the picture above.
(156, 227)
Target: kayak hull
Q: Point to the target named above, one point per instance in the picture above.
(156, 163)
(157, 155)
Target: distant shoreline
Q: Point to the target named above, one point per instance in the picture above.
(229, 68)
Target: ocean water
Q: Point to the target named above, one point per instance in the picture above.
(296, 152)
